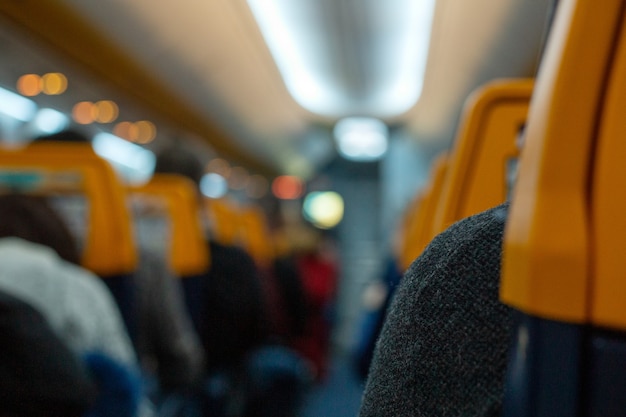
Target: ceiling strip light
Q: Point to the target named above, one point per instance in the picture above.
(308, 54)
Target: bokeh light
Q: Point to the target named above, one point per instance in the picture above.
(146, 131)
(219, 166)
(83, 112)
(257, 186)
(238, 178)
(54, 83)
(287, 187)
(213, 185)
(29, 85)
(106, 111)
(323, 208)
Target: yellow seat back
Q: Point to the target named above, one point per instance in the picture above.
(419, 226)
(224, 220)
(256, 237)
(109, 247)
(547, 260)
(406, 230)
(563, 245)
(608, 201)
(177, 202)
(485, 146)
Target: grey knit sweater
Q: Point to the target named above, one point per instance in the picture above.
(442, 351)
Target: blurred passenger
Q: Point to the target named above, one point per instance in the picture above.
(376, 300)
(167, 345)
(78, 306)
(39, 375)
(37, 265)
(443, 347)
(316, 262)
(247, 373)
(292, 294)
(234, 319)
(67, 135)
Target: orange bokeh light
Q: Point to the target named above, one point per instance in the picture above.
(107, 111)
(126, 130)
(146, 131)
(83, 113)
(29, 85)
(54, 83)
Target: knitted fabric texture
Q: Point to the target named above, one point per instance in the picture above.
(443, 348)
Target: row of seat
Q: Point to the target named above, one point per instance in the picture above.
(96, 205)
(562, 266)
(472, 177)
(563, 246)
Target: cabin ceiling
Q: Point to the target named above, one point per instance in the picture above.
(213, 56)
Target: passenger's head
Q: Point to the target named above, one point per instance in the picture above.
(179, 160)
(39, 375)
(32, 218)
(70, 135)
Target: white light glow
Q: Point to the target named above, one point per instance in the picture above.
(50, 121)
(323, 208)
(361, 138)
(16, 106)
(213, 185)
(378, 70)
(133, 162)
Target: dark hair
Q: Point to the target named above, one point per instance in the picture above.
(39, 374)
(32, 218)
(179, 160)
(69, 135)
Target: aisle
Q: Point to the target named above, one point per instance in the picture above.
(340, 396)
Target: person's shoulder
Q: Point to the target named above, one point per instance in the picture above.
(229, 253)
(447, 305)
(14, 249)
(472, 228)
(469, 246)
(85, 288)
(218, 247)
(480, 231)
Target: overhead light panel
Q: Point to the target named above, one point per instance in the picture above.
(133, 162)
(213, 185)
(16, 106)
(361, 138)
(50, 121)
(369, 60)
